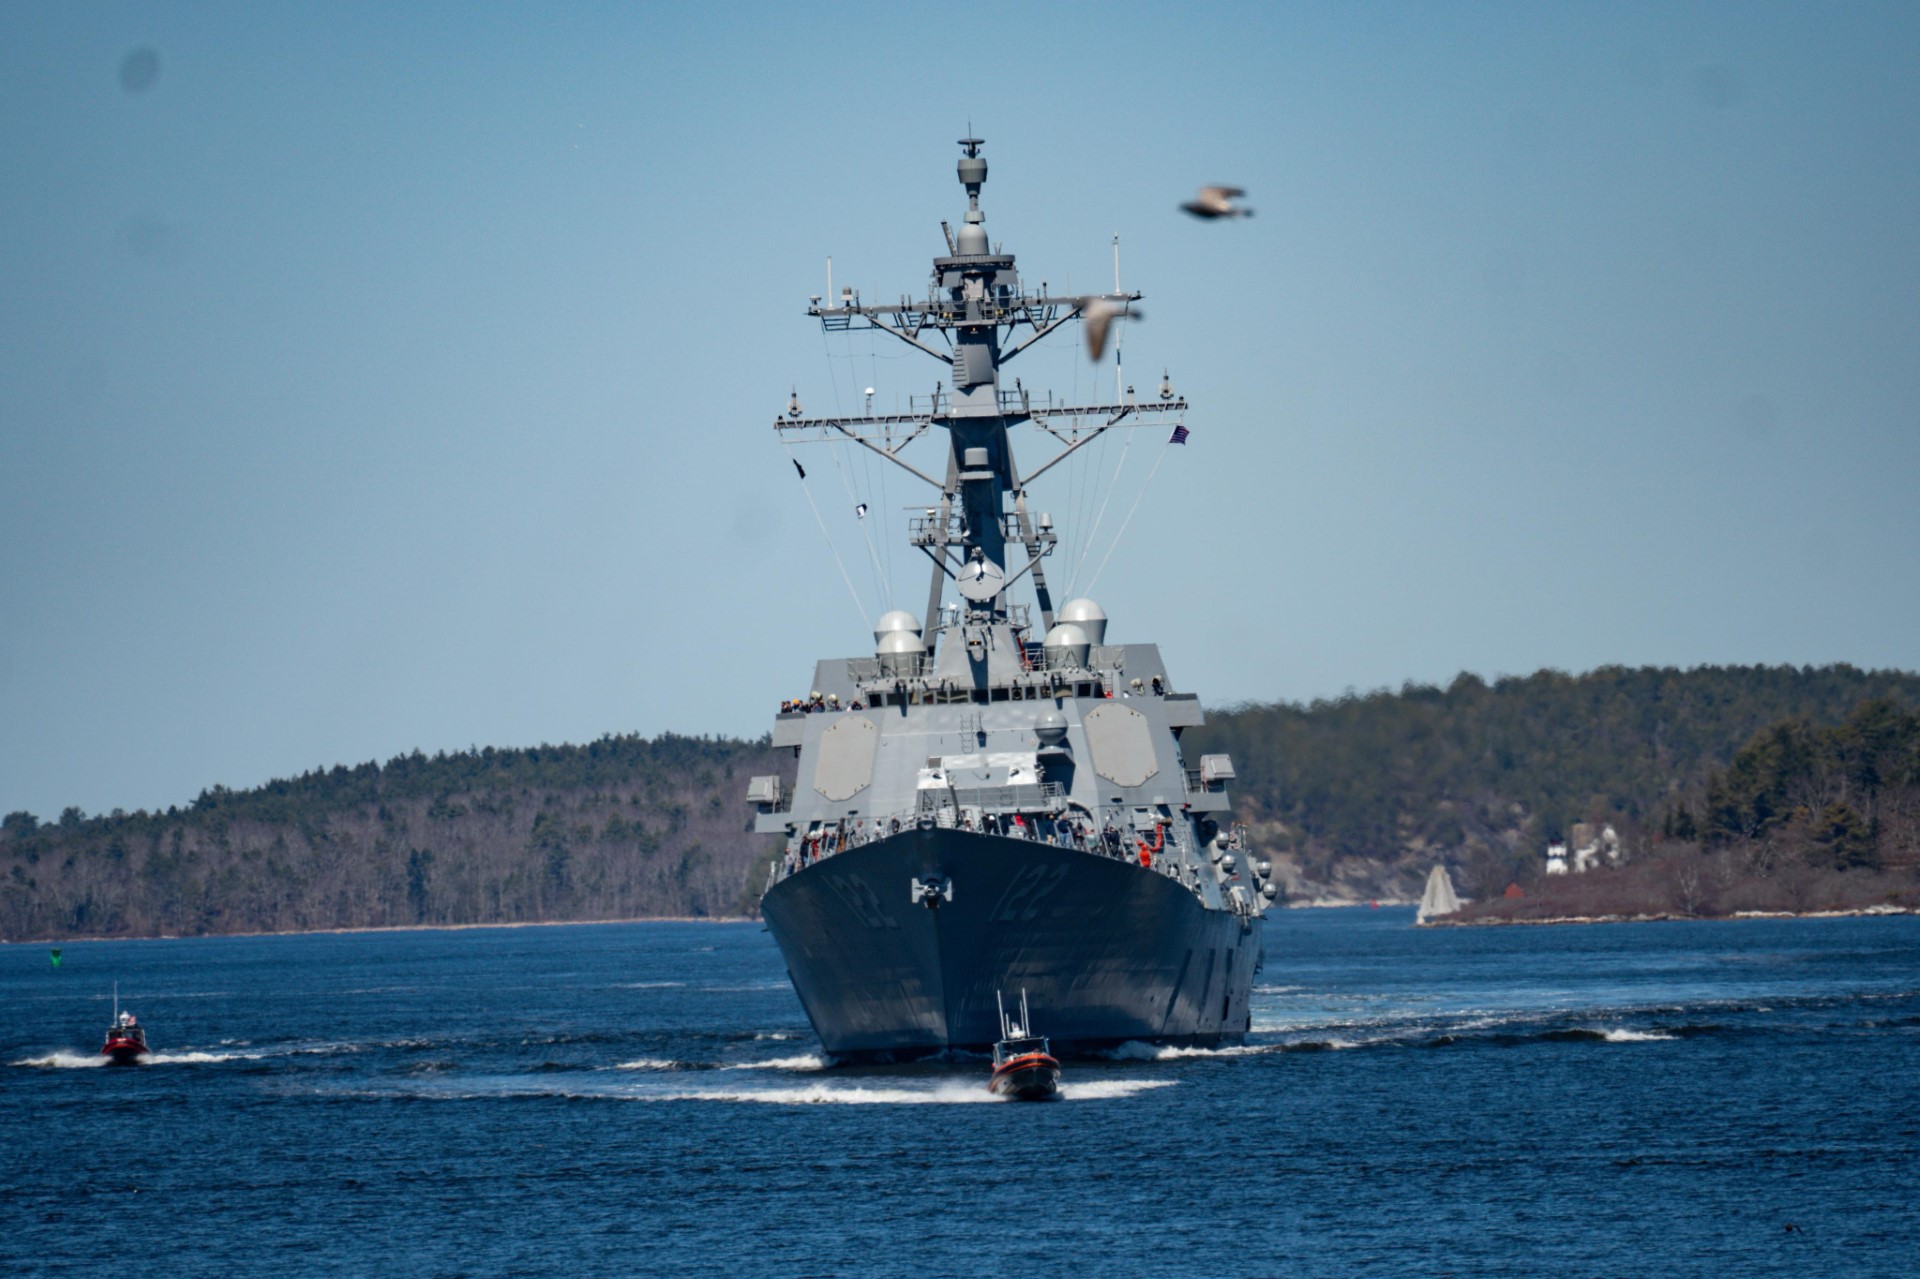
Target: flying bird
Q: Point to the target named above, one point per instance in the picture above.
(1217, 202)
(1099, 315)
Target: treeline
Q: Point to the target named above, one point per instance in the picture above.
(1359, 796)
(1756, 774)
(1847, 796)
(621, 827)
(1804, 817)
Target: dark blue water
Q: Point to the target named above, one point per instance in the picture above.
(1661, 1099)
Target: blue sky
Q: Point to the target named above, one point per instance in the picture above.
(378, 378)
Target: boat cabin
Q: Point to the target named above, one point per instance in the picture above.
(1008, 1049)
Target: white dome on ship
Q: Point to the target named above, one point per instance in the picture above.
(898, 652)
(1088, 616)
(1067, 644)
(897, 620)
(1050, 726)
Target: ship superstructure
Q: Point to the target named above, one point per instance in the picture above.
(996, 797)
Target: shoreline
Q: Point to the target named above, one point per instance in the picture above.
(1345, 903)
(387, 928)
(1442, 921)
(1316, 904)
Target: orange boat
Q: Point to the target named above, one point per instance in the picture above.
(126, 1041)
(1023, 1067)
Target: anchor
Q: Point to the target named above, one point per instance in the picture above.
(931, 891)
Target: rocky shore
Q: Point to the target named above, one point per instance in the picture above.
(1465, 920)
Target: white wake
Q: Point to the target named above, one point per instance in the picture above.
(944, 1094)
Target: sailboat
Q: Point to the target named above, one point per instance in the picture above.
(1439, 899)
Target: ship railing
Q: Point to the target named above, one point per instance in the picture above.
(915, 686)
(1024, 530)
(1101, 658)
(826, 839)
(1037, 806)
(1013, 402)
(1209, 778)
(933, 530)
(941, 807)
(862, 671)
(1032, 797)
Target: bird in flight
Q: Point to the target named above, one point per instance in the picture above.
(1217, 202)
(1098, 315)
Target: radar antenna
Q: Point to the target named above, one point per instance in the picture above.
(975, 319)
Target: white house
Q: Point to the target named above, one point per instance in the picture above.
(1591, 847)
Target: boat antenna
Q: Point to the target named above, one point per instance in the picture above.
(116, 1001)
(1026, 1021)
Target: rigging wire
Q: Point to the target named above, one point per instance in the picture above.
(839, 409)
(1144, 486)
(1085, 473)
(1074, 467)
(863, 480)
(1074, 471)
(1112, 486)
(886, 529)
(881, 510)
(866, 532)
(859, 609)
(1092, 463)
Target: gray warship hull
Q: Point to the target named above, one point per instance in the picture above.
(997, 798)
(1110, 951)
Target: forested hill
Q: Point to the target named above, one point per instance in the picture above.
(1360, 796)
(1356, 797)
(619, 828)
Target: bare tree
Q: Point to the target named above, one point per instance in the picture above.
(1686, 879)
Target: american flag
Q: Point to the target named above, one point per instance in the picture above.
(1179, 435)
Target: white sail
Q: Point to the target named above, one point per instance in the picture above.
(1440, 898)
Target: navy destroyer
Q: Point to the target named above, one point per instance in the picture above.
(995, 797)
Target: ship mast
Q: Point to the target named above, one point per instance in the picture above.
(975, 319)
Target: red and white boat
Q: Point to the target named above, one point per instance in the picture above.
(1023, 1067)
(126, 1041)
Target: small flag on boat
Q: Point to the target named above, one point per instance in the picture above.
(798, 467)
(861, 510)
(55, 954)
(1180, 434)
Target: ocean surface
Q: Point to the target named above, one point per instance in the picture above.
(1726, 1099)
